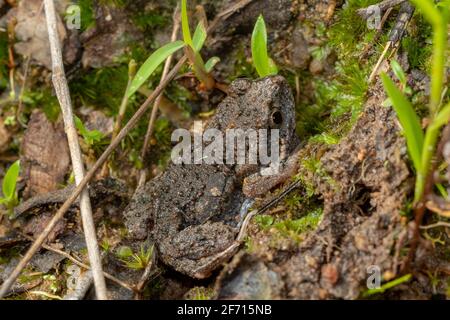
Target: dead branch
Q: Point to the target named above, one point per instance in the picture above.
(81, 264)
(396, 34)
(63, 94)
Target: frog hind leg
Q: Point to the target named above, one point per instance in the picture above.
(199, 250)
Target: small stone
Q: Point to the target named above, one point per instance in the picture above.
(316, 67)
(215, 192)
(330, 273)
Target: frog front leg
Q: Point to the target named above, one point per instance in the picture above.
(192, 251)
(257, 185)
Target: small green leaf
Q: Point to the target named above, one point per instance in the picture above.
(408, 119)
(263, 64)
(272, 67)
(210, 64)
(199, 37)
(185, 24)
(89, 136)
(152, 63)
(398, 71)
(10, 181)
(442, 117)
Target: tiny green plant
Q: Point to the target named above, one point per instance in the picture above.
(192, 46)
(138, 260)
(150, 65)
(263, 63)
(90, 137)
(9, 187)
(421, 146)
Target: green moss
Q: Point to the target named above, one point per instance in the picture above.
(151, 20)
(264, 221)
(96, 88)
(41, 99)
(201, 293)
(346, 34)
(87, 14)
(298, 226)
(243, 67)
(339, 100)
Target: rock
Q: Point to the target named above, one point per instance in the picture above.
(300, 55)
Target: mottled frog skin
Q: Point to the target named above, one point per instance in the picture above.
(191, 211)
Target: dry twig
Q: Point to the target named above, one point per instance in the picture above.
(63, 94)
(81, 264)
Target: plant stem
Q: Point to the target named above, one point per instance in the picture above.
(63, 94)
(439, 25)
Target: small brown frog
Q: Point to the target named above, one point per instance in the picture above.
(192, 211)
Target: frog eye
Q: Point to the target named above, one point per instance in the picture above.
(276, 118)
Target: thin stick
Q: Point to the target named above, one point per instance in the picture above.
(63, 94)
(81, 264)
(151, 123)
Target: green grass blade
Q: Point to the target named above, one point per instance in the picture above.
(398, 71)
(199, 37)
(408, 120)
(388, 285)
(152, 63)
(209, 65)
(185, 24)
(10, 180)
(261, 59)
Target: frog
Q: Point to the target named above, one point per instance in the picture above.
(193, 212)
